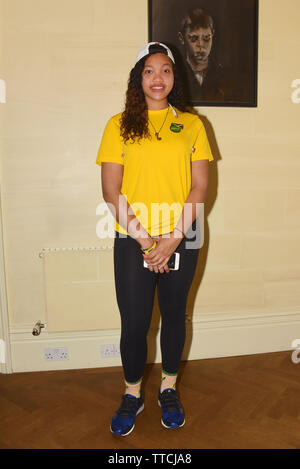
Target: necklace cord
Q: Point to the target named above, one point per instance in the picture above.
(157, 132)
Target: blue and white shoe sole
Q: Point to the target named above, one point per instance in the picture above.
(166, 426)
(125, 434)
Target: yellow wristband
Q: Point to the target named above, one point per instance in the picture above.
(146, 251)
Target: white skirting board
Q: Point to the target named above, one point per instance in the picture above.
(210, 336)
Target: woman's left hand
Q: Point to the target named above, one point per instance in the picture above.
(157, 259)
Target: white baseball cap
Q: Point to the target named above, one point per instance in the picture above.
(145, 51)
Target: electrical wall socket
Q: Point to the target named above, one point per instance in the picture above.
(110, 350)
(56, 354)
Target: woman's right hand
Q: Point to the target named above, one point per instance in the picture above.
(146, 243)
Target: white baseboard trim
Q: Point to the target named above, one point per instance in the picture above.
(208, 336)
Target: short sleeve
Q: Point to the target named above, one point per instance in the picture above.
(201, 148)
(111, 146)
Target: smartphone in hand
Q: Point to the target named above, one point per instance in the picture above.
(173, 262)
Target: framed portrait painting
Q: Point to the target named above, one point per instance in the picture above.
(215, 47)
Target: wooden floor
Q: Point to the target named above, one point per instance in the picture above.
(248, 401)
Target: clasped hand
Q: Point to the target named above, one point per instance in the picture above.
(157, 259)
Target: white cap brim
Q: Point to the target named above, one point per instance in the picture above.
(145, 51)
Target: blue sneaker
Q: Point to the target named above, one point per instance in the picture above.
(123, 421)
(172, 411)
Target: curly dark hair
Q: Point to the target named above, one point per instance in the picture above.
(134, 119)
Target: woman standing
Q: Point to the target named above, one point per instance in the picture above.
(154, 155)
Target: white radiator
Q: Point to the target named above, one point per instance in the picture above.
(79, 289)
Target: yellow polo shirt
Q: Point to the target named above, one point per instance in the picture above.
(157, 173)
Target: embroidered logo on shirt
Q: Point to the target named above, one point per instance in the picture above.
(176, 127)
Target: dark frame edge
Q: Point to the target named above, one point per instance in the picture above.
(255, 65)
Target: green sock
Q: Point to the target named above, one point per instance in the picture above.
(168, 380)
(133, 388)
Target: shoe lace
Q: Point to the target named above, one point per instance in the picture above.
(128, 406)
(170, 401)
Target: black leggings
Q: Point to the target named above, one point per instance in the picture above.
(135, 289)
